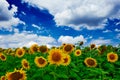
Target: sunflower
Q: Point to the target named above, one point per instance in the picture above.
(20, 52)
(78, 52)
(3, 78)
(67, 60)
(81, 43)
(9, 50)
(90, 62)
(16, 75)
(92, 46)
(40, 61)
(102, 49)
(34, 48)
(68, 48)
(63, 44)
(112, 57)
(61, 47)
(53, 47)
(2, 57)
(55, 56)
(43, 49)
(99, 52)
(25, 64)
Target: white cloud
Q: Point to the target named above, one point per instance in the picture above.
(70, 39)
(16, 30)
(23, 13)
(100, 41)
(30, 43)
(91, 37)
(24, 39)
(7, 19)
(67, 29)
(79, 13)
(106, 31)
(36, 26)
(117, 30)
(118, 36)
(118, 23)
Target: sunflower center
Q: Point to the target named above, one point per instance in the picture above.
(90, 62)
(3, 57)
(56, 57)
(65, 60)
(63, 43)
(68, 48)
(20, 52)
(92, 46)
(112, 57)
(35, 48)
(16, 76)
(43, 49)
(26, 64)
(81, 43)
(78, 52)
(41, 61)
(3, 78)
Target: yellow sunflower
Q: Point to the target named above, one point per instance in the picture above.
(55, 56)
(20, 52)
(90, 62)
(25, 64)
(78, 52)
(16, 75)
(67, 60)
(43, 49)
(40, 61)
(92, 46)
(3, 78)
(68, 48)
(112, 57)
(34, 48)
(2, 57)
(102, 49)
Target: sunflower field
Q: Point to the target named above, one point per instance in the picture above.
(66, 62)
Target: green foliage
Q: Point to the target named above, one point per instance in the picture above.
(76, 70)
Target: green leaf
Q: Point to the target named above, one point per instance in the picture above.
(62, 76)
(75, 70)
(47, 77)
(73, 65)
(75, 75)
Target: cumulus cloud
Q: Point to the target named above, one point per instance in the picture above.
(117, 30)
(7, 19)
(100, 41)
(24, 39)
(70, 39)
(78, 13)
(106, 31)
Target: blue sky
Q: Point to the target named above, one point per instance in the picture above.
(51, 23)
